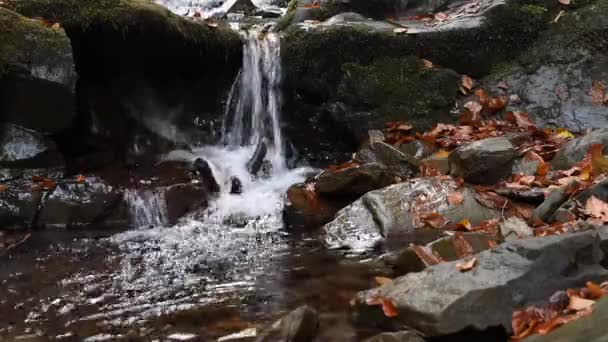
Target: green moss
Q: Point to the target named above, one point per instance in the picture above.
(286, 19)
(123, 15)
(23, 40)
(399, 89)
(535, 10)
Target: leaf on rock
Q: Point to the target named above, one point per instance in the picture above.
(424, 253)
(577, 303)
(467, 84)
(388, 307)
(521, 120)
(466, 265)
(597, 209)
(435, 220)
(80, 179)
(497, 104)
(598, 93)
(462, 246)
(599, 162)
(441, 154)
(564, 2)
(455, 198)
(440, 16)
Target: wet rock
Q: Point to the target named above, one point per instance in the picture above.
(305, 209)
(453, 301)
(181, 199)
(20, 201)
(589, 329)
(401, 336)
(406, 261)
(525, 167)
(397, 162)
(551, 203)
(255, 163)
(575, 150)
(206, 175)
(564, 213)
(353, 181)
(515, 228)
(533, 196)
(300, 325)
(36, 63)
(24, 148)
(236, 187)
(73, 204)
(417, 149)
(485, 161)
(394, 211)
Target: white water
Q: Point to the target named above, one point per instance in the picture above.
(207, 7)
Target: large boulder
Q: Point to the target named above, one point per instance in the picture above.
(398, 163)
(37, 74)
(484, 161)
(182, 199)
(24, 148)
(145, 75)
(399, 210)
(300, 325)
(306, 209)
(554, 76)
(575, 150)
(507, 278)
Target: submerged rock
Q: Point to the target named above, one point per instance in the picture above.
(182, 199)
(300, 325)
(513, 275)
(485, 161)
(399, 210)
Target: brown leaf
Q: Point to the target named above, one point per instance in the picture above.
(435, 220)
(483, 97)
(383, 280)
(564, 2)
(37, 179)
(427, 64)
(598, 92)
(440, 16)
(497, 104)
(520, 119)
(455, 198)
(597, 208)
(80, 179)
(466, 265)
(462, 246)
(424, 253)
(388, 307)
(467, 84)
(594, 290)
(3, 187)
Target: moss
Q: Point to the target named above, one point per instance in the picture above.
(535, 10)
(399, 89)
(23, 40)
(286, 19)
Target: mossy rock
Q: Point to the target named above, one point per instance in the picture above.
(399, 89)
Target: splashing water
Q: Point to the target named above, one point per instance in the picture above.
(147, 207)
(208, 8)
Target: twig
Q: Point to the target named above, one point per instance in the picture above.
(16, 244)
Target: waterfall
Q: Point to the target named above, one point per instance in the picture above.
(147, 207)
(254, 113)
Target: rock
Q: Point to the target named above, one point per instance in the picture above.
(300, 325)
(353, 181)
(396, 211)
(73, 204)
(401, 336)
(181, 199)
(24, 148)
(533, 196)
(405, 260)
(417, 149)
(255, 163)
(206, 175)
(397, 162)
(553, 76)
(236, 187)
(515, 228)
(486, 296)
(36, 62)
(589, 329)
(485, 161)
(564, 213)
(525, 167)
(305, 209)
(575, 150)
(552, 202)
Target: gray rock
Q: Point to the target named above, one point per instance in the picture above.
(515, 228)
(21, 147)
(417, 149)
(395, 161)
(592, 328)
(300, 325)
(304, 209)
(485, 161)
(401, 336)
(551, 203)
(513, 275)
(525, 167)
(396, 210)
(575, 150)
(354, 181)
(182, 199)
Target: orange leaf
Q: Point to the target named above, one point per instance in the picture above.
(80, 179)
(577, 303)
(425, 255)
(594, 289)
(462, 246)
(483, 97)
(37, 179)
(466, 265)
(383, 280)
(598, 92)
(467, 83)
(520, 119)
(497, 104)
(388, 307)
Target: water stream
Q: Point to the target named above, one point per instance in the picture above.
(227, 268)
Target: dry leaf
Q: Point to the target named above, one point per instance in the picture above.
(400, 30)
(467, 84)
(598, 92)
(383, 280)
(80, 179)
(558, 17)
(564, 2)
(462, 246)
(597, 208)
(3, 187)
(440, 16)
(466, 265)
(435, 220)
(388, 308)
(424, 253)
(427, 64)
(577, 303)
(455, 198)
(521, 119)
(441, 154)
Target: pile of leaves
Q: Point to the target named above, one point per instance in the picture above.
(563, 307)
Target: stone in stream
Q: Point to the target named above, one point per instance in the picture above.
(575, 150)
(24, 148)
(181, 199)
(204, 171)
(441, 300)
(305, 209)
(397, 162)
(255, 163)
(400, 336)
(484, 161)
(353, 181)
(236, 187)
(300, 325)
(397, 210)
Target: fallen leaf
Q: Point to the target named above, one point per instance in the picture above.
(37, 179)
(400, 30)
(388, 307)
(577, 303)
(424, 253)
(3, 187)
(427, 64)
(435, 220)
(497, 104)
(564, 2)
(455, 198)
(483, 97)
(598, 92)
(466, 265)
(599, 162)
(559, 15)
(520, 119)
(467, 84)
(80, 179)
(383, 280)
(462, 246)
(472, 118)
(597, 208)
(441, 154)
(464, 224)
(440, 16)
(564, 133)
(594, 289)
